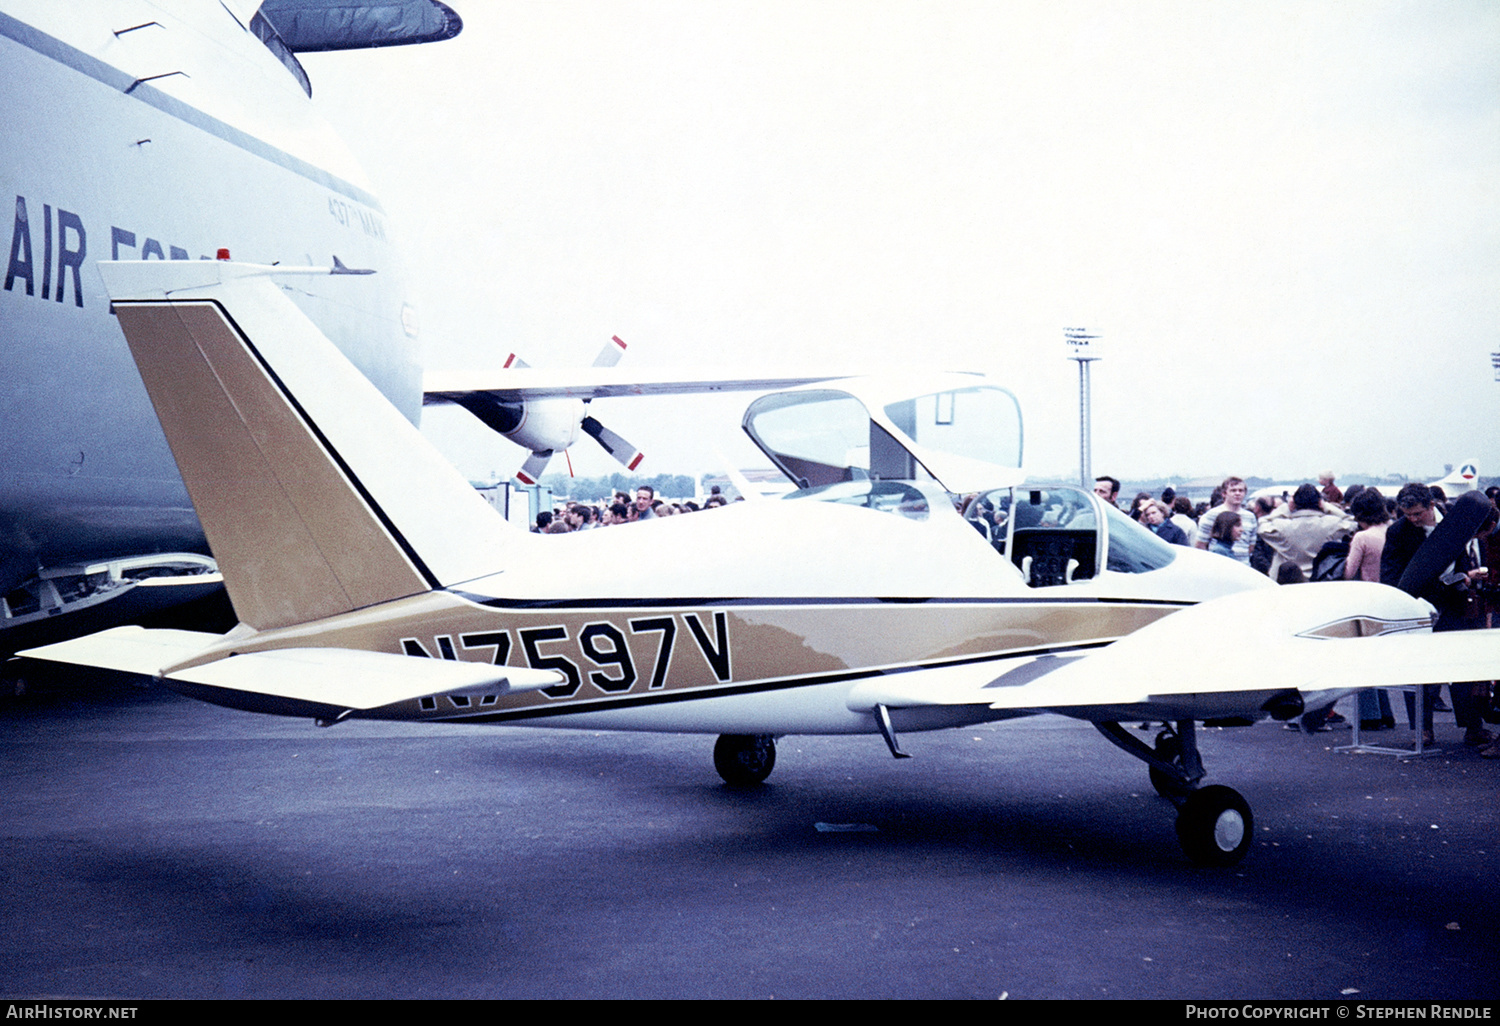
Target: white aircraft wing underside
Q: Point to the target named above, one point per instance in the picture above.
(1224, 657)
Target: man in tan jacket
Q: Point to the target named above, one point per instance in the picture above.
(1296, 532)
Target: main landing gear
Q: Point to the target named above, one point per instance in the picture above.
(745, 760)
(1214, 824)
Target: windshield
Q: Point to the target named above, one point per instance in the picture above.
(1132, 548)
(1054, 536)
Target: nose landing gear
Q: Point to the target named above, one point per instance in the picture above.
(1214, 824)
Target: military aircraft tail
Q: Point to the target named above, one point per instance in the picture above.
(316, 495)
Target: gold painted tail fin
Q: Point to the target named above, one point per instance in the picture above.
(317, 496)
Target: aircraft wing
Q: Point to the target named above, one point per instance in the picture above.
(1248, 654)
(324, 683)
(530, 383)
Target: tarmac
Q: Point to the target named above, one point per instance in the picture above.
(155, 847)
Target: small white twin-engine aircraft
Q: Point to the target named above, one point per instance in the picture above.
(370, 579)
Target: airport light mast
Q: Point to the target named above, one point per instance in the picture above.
(1079, 344)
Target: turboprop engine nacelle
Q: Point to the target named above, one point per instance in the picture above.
(543, 426)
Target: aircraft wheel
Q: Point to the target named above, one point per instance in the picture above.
(1215, 826)
(1169, 748)
(744, 760)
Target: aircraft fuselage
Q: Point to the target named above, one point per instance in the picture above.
(153, 131)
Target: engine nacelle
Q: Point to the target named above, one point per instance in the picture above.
(538, 425)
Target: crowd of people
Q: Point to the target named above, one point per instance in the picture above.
(1324, 533)
(622, 509)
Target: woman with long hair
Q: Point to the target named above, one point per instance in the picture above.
(1226, 530)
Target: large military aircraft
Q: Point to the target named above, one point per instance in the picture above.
(371, 581)
(167, 130)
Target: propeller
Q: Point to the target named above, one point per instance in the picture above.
(627, 454)
(535, 466)
(547, 426)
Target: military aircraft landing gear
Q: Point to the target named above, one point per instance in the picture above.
(745, 760)
(1214, 824)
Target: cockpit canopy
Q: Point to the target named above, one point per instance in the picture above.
(951, 441)
(965, 436)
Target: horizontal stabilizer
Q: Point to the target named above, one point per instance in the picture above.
(126, 649)
(325, 683)
(334, 683)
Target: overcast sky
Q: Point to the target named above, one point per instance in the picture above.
(1282, 218)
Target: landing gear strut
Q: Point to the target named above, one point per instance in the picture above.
(745, 760)
(1214, 824)
(1172, 786)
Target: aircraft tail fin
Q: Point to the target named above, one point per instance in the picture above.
(317, 496)
(1462, 478)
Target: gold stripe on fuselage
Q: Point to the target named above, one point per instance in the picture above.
(654, 651)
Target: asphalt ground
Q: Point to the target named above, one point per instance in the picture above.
(154, 847)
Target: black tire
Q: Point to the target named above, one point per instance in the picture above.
(1215, 826)
(745, 760)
